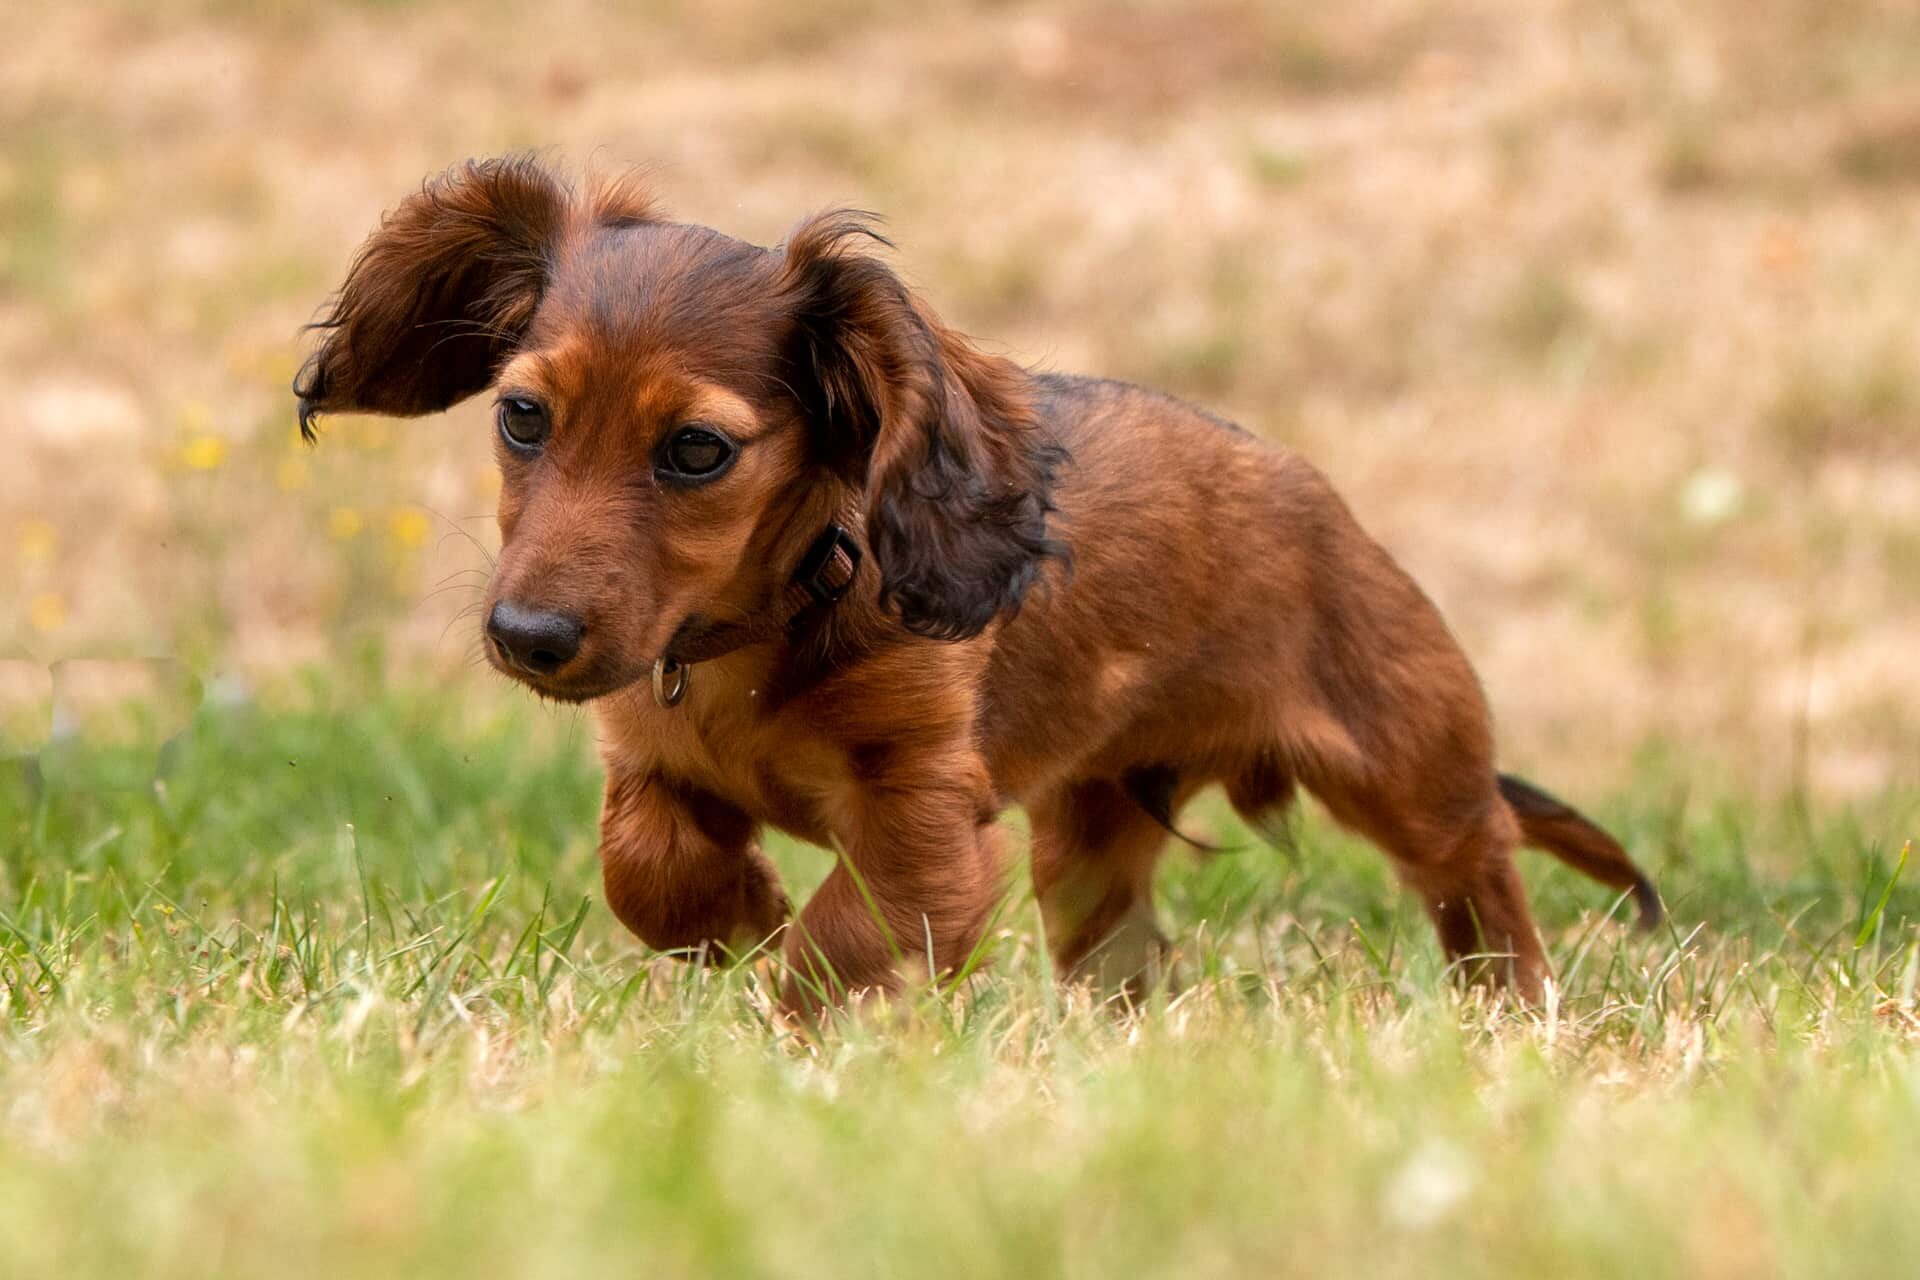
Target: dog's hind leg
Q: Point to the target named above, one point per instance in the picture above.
(1479, 908)
(1429, 801)
(1094, 850)
(1454, 847)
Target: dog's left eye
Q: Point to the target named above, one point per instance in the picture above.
(524, 424)
(695, 453)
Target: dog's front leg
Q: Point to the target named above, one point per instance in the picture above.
(920, 873)
(683, 869)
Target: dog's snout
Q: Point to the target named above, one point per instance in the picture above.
(538, 641)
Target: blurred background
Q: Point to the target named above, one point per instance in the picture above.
(1601, 313)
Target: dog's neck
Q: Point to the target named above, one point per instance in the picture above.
(825, 574)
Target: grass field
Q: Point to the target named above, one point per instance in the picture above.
(1599, 312)
(336, 998)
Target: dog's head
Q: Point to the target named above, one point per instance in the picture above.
(678, 414)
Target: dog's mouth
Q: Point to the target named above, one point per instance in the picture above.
(577, 682)
(583, 688)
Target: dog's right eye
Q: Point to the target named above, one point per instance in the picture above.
(523, 424)
(692, 455)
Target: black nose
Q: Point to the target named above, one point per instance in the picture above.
(539, 641)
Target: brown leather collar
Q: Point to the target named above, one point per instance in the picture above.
(825, 574)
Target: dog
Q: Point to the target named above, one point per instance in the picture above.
(823, 565)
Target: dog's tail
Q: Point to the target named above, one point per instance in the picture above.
(1547, 823)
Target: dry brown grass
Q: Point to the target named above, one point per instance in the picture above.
(1601, 314)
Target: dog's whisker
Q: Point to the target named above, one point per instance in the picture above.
(455, 529)
(448, 588)
(453, 622)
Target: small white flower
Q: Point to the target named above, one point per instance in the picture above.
(1431, 1184)
(1711, 496)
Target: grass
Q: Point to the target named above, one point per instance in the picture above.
(336, 996)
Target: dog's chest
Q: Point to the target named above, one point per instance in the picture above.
(777, 772)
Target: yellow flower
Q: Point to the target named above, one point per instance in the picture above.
(291, 474)
(204, 453)
(38, 540)
(344, 523)
(47, 612)
(409, 527)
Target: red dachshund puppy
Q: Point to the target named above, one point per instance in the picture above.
(822, 565)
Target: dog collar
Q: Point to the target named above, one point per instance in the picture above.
(824, 575)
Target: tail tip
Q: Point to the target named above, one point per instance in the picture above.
(1652, 911)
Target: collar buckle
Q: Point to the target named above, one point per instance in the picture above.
(828, 569)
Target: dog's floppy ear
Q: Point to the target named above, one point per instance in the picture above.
(957, 470)
(439, 295)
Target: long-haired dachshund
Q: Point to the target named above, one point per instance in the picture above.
(823, 565)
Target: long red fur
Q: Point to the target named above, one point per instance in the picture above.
(1077, 595)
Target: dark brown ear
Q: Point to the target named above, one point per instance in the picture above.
(439, 295)
(958, 471)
